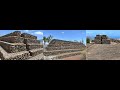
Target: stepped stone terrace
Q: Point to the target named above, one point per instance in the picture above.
(19, 46)
(59, 49)
(102, 39)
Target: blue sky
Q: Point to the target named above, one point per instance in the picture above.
(69, 35)
(38, 33)
(110, 33)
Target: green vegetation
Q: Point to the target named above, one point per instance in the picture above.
(47, 39)
(88, 40)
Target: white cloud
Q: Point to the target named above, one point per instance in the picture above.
(26, 30)
(39, 33)
(62, 32)
(102, 33)
(89, 32)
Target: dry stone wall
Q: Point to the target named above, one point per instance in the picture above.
(60, 48)
(12, 39)
(13, 48)
(61, 44)
(16, 33)
(20, 46)
(59, 52)
(33, 46)
(114, 40)
(102, 39)
(29, 41)
(25, 35)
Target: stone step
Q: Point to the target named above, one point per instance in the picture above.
(16, 33)
(13, 47)
(25, 35)
(35, 52)
(56, 52)
(13, 56)
(37, 57)
(64, 55)
(65, 45)
(62, 48)
(33, 46)
(28, 41)
(12, 39)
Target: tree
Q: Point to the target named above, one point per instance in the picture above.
(49, 38)
(45, 39)
(88, 40)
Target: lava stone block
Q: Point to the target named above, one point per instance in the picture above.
(12, 39)
(25, 35)
(97, 41)
(104, 41)
(16, 33)
(28, 41)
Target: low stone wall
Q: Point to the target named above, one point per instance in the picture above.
(114, 40)
(65, 45)
(57, 52)
(12, 39)
(13, 56)
(62, 48)
(11, 48)
(28, 41)
(97, 41)
(104, 41)
(63, 42)
(36, 52)
(25, 35)
(21, 56)
(33, 46)
(67, 55)
(16, 33)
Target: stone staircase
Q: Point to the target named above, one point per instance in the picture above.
(59, 49)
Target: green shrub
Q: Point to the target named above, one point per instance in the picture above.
(88, 40)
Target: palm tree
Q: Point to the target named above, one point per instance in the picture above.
(49, 38)
(45, 39)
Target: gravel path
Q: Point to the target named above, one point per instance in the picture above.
(103, 52)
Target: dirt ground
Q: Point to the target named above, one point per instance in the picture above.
(73, 58)
(103, 51)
